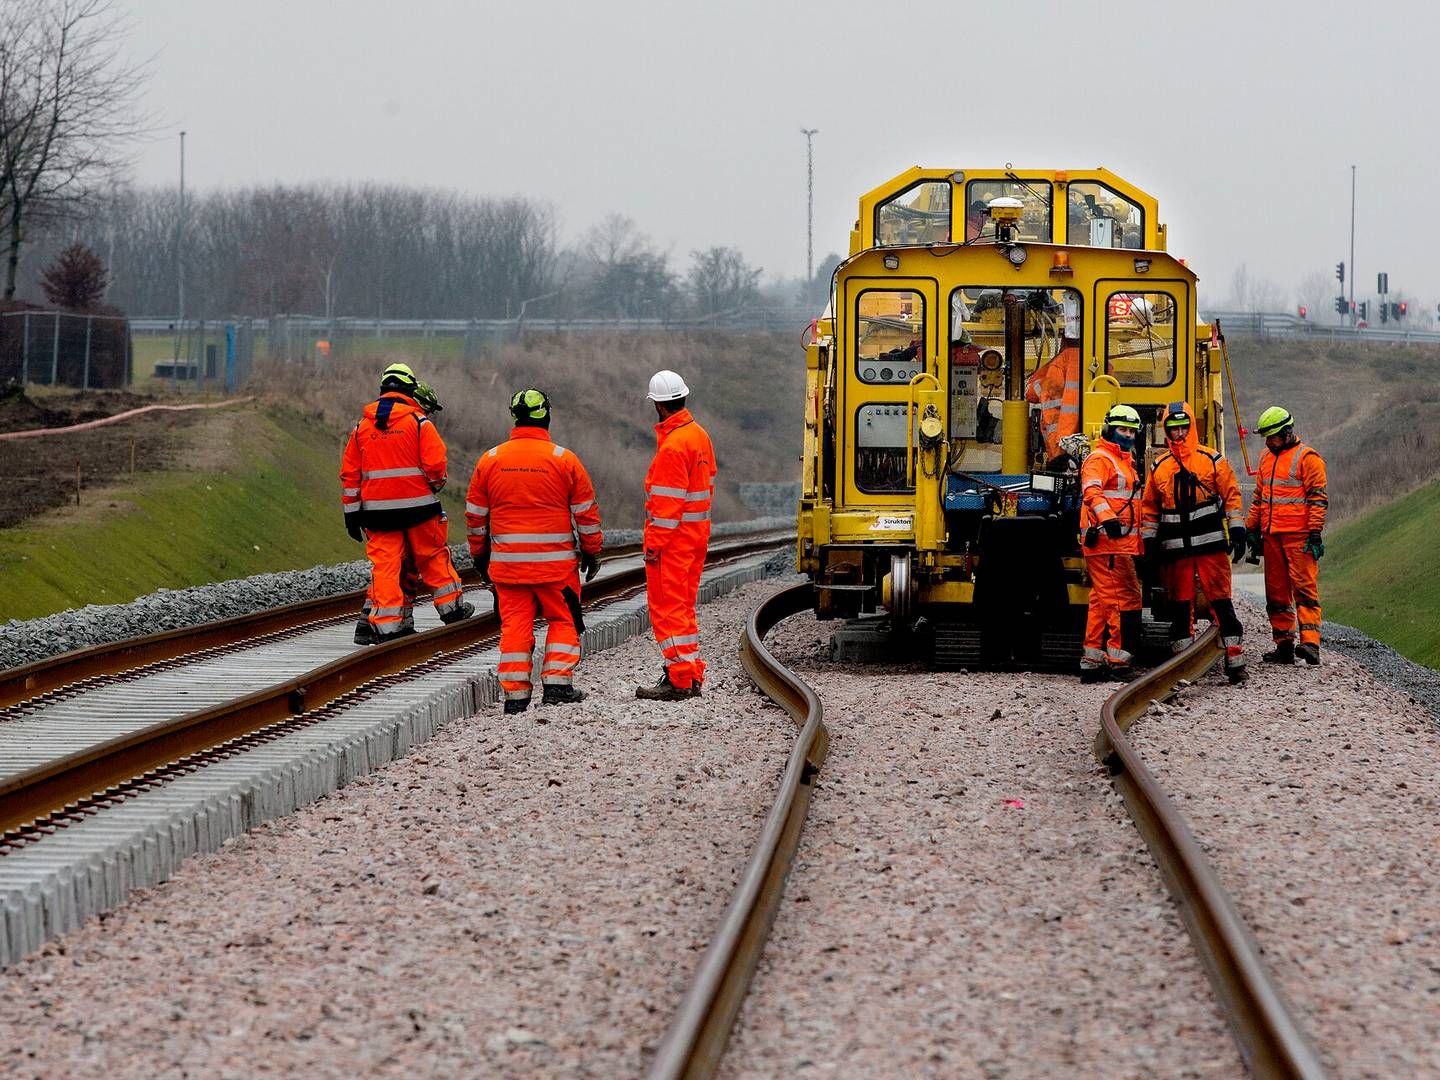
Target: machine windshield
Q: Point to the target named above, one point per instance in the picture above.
(1140, 332)
(918, 215)
(1096, 216)
(1035, 220)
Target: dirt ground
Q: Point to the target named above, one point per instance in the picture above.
(40, 474)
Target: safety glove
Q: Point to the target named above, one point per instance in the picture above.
(1092, 536)
(1314, 545)
(353, 528)
(589, 566)
(1256, 540)
(652, 555)
(482, 564)
(1237, 543)
(1112, 528)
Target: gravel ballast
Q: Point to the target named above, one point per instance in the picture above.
(520, 896)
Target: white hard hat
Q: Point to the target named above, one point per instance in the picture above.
(667, 386)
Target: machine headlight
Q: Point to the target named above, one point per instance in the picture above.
(1042, 482)
(1017, 255)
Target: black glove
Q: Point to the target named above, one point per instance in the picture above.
(1112, 528)
(1092, 536)
(1256, 541)
(1237, 543)
(353, 528)
(482, 564)
(1314, 545)
(589, 566)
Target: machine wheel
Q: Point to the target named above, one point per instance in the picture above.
(902, 591)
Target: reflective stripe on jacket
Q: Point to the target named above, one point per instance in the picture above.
(679, 483)
(528, 501)
(1107, 488)
(1187, 507)
(1055, 387)
(1290, 495)
(393, 466)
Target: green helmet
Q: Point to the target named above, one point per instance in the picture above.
(426, 397)
(398, 377)
(530, 404)
(1123, 416)
(1274, 421)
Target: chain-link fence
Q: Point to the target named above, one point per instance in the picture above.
(57, 348)
(200, 354)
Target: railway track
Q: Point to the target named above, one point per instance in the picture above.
(88, 728)
(1269, 1039)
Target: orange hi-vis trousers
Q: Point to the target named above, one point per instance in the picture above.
(1213, 573)
(1292, 584)
(672, 586)
(1114, 588)
(519, 606)
(427, 545)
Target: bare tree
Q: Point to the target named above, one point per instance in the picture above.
(721, 281)
(67, 107)
(1317, 295)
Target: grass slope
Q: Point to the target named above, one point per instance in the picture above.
(268, 501)
(1381, 573)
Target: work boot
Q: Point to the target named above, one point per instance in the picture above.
(561, 695)
(462, 610)
(1284, 653)
(1132, 634)
(364, 634)
(516, 705)
(1236, 675)
(665, 690)
(1120, 672)
(1094, 675)
(1307, 652)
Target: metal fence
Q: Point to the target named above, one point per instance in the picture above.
(59, 348)
(1272, 324)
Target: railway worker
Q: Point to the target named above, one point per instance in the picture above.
(678, 488)
(1287, 520)
(410, 583)
(528, 500)
(1111, 521)
(390, 480)
(1055, 387)
(1191, 498)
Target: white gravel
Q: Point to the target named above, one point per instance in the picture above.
(521, 896)
(1316, 795)
(969, 898)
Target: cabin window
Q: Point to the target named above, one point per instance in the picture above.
(889, 336)
(1140, 333)
(1034, 222)
(1098, 216)
(918, 215)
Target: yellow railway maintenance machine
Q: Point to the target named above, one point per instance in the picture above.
(927, 489)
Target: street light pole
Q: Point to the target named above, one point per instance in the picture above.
(1352, 246)
(179, 267)
(809, 134)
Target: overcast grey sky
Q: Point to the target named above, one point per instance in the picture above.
(1242, 118)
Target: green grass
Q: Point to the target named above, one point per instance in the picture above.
(274, 506)
(1381, 574)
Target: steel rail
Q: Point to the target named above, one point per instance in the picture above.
(42, 676)
(37, 792)
(1270, 1039)
(695, 1040)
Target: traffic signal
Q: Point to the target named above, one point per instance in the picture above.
(1382, 283)
(1304, 311)
(1342, 306)
(1340, 272)
(1364, 310)
(1384, 312)
(1402, 310)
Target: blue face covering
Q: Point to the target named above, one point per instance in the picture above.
(1124, 441)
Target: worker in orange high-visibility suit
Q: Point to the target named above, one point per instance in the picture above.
(1191, 498)
(1055, 387)
(410, 583)
(390, 478)
(528, 501)
(1110, 520)
(678, 488)
(1288, 512)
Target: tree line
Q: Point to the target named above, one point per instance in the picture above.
(382, 251)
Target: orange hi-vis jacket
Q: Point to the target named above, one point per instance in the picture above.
(679, 484)
(1055, 387)
(522, 499)
(393, 466)
(1190, 496)
(1290, 495)
(1107, 488)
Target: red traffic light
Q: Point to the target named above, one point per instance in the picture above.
(1303, 311)
(1404, 307)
